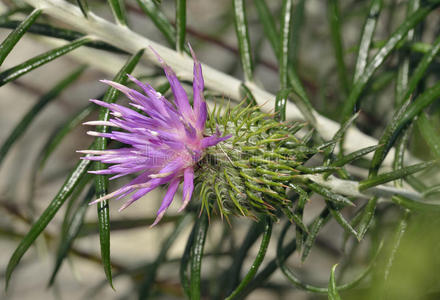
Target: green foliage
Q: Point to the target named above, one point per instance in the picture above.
(101, 182)
(14, 36)
(241, 28)
(261, 171)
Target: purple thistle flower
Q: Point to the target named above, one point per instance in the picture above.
(164, 144)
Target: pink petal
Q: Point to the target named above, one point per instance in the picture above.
(180, 97)
(169, 196)
(188, 186)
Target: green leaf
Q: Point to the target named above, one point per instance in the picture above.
(84, 7)
(285, 41)
(419, 47)
(416, 183)
(151, 272)
(300, 99)
(393, 41)
(396, 241)
(271, 32)
(244, 44)
(247, 95)
(390, 176)
(430, 134)
(280, 105)
(338, 47)
(59, 33)
(35, 62)
(71, 233)
(270, 267)
(12, 39)
(269, 26)
(104, 234)
(233, 273)
(66, 190)
(71, 205)
(404, 62)
(338, 136)
(101, 181)
(366, 217)
(329, 195)
(21, 127)
(366, 37)
(332, 290)
(348, 158)
(186, 256)
(341, 220)
(431, 191)
(51, 144)
(180, 25)
(314, 229)
(401, 87)
(401, 79)
(150, 8)
(197, 255)
(257, 262)
(299, 212)
(291, 276)
(405, 115)
(382, 81)
(422, 206)
(118, 10)
(298, 20)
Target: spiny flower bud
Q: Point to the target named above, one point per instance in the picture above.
(250, 173)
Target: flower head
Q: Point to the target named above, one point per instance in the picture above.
(164, 142)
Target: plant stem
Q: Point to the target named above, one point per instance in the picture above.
(125, 39)
(351, 188)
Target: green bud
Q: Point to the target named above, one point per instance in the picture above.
(249, 173)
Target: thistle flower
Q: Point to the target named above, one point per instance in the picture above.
(250, 173)
(164, 143)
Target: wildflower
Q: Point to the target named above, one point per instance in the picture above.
(250, 173)
(164, 143)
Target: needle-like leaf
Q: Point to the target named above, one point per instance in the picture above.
(101, 181)
(12, 39)
(244, 44)
(35, 62)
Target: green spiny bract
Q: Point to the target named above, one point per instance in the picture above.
(249, 173)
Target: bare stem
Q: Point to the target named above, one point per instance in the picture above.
(351, 188)
(125, 39)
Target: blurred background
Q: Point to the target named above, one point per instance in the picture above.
(25, 192)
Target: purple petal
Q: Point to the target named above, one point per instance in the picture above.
(170, 169)
(198, 84)
(180, 97)
(213, 140)
(150, 106)
(139, 192)
(169, 196)
(188, 186)
(201, 117)
(152, 184)
(139, 179)
(156, 98)
(120, 110)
